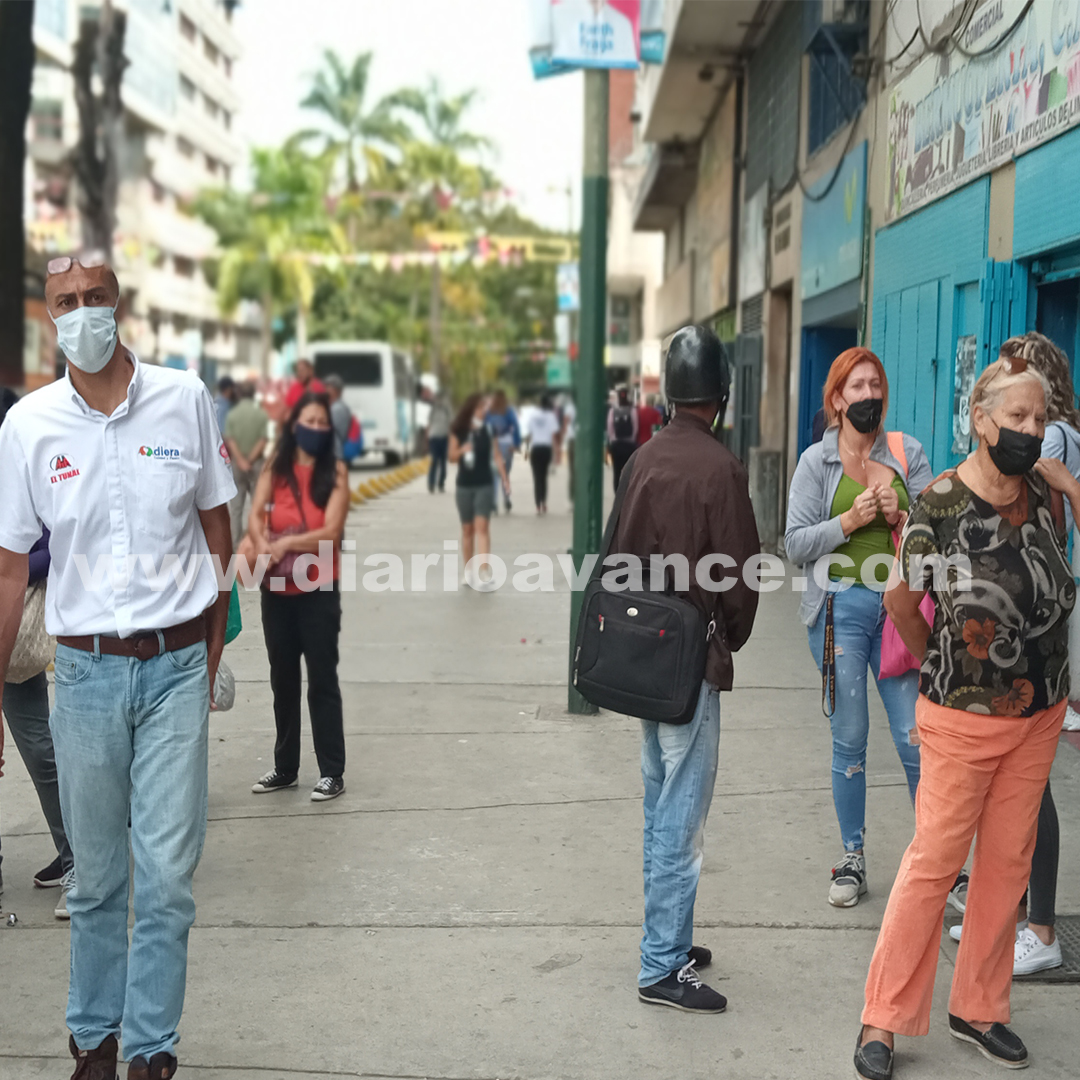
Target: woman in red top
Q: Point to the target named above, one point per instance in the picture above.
(300, 503)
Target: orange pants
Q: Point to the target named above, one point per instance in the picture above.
(982, 776)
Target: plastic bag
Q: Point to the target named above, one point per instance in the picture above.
(224, 688)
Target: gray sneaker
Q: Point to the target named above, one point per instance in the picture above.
(67, 883)
(848, 881)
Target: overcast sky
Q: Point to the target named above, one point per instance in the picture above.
(482, 44)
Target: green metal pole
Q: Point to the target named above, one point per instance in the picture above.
(589, 381)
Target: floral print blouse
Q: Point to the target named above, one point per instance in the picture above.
(1000, 640)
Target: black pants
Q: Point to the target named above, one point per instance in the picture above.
(437, 448)
(540, 460)
(307, 625)
(620, 455)
(1042, 887)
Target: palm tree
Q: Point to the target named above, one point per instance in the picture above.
(358, 139)
(268, 237)
(441, 117)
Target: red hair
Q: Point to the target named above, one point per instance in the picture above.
(841, 368)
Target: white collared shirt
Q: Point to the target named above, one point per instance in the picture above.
(119, 494)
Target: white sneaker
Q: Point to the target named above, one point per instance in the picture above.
(955, 931)
(1031, 955)
(848, 881)
(67, 883)
(1072, 719)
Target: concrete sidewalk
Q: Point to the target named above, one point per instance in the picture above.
(471, 907)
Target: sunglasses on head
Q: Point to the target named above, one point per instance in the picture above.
(1014, 365)
(63, 263)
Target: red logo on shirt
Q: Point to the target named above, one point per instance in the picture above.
(62, 469)
(224, 452)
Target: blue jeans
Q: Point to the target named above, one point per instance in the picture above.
(438, 448)
(131, 737)
(678, 765)
(858, 618)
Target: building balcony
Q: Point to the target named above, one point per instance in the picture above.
(188, 296)
(675, 298)
(669, 180)
(207, 135)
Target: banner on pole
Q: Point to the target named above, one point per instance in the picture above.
(568, 35)
(568, 286)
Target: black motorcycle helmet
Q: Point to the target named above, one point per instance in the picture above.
(697, 368)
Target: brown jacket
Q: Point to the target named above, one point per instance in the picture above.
(688, 495)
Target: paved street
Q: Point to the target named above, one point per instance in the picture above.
(471, 907)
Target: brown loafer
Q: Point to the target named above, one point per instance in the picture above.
(160, 1067)
(99, 1064)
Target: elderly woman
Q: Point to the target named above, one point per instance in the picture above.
(988, 539)
(848, 495)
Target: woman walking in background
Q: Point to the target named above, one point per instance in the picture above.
(988, 540)
(503, 423)
(472, 448)
(541, 434)
(849, 493)
(302, 500)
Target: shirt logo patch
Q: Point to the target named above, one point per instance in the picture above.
(158, 452)
(62, 469)
(224, 452)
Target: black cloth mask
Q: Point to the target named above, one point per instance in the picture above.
(1015, 452)
(311, 440)
(865, 415)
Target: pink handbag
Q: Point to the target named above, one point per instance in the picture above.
(896, 657)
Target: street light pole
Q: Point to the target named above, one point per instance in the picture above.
(589, 377)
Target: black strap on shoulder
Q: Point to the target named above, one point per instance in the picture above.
(613, 518)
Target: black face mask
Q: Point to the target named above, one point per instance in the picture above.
(865, 415)
(1015, 452)
(313, 441)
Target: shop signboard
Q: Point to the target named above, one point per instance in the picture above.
(568, 286)
(832, 227)
(1011, 83)
(752, 242)
(558, 370)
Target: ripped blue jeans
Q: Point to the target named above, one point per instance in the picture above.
(858, 617)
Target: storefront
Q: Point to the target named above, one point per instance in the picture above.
(833, 230)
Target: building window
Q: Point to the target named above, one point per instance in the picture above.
(226, 61)
(835, 97)
(48, 121)
(213, 109)
(184, 267)
(187, 88)
(210, 50)
(621, 315)
(157, 192)
(187, 29)
(213, 166)
(186, 148)
(226, 119)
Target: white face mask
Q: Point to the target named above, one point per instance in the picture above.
(87, 337)
(477, 422)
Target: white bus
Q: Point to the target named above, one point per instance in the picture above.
(380, 388)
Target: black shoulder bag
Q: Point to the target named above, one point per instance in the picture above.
(639, 652)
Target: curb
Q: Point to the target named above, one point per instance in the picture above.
(388, 481)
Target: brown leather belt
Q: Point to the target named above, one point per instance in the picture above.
(144, 645)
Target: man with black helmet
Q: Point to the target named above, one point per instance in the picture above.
(687, 495)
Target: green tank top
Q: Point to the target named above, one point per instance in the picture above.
(873, 539)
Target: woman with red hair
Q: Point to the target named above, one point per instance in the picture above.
(849, 495)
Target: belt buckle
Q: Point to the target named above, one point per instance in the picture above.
(145, 646)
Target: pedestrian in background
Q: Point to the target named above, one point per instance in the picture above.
(542, 436)
(301, 501)
(304, 382)
(246, 431)
(993, 690)
(849, 494)
(622, 433)
(26, 707)
(438, 436)
(340, 414)
(650, 420)
(687, 495)
(568, 435)
(225, 400)
(121, 456)
(503, 422)
(472, 449)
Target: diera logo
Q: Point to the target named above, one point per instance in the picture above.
(59, 462)
(158, 452)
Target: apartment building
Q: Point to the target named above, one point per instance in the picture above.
(180, 102)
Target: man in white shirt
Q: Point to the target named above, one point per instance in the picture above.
(125, 465)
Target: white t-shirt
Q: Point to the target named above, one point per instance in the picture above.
(542, 426)
(111, 489)
(570, 419)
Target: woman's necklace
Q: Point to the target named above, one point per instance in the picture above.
(853, 455)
